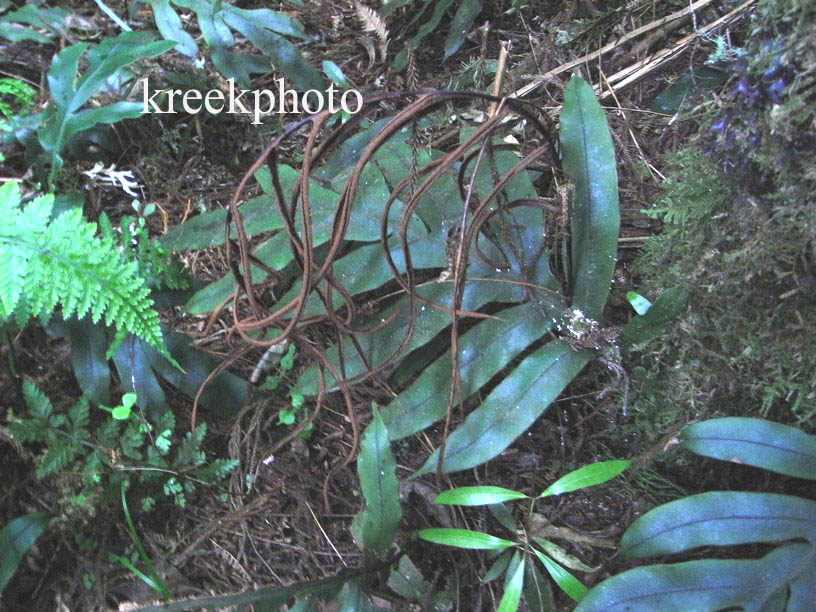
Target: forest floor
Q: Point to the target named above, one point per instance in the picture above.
(281, 532)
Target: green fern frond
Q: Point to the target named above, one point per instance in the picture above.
(216, 470)
(45, 263)
(189, 451)
(38, 403)
(56, 458)
(21, 94)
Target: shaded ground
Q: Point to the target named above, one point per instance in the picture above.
(278, 533)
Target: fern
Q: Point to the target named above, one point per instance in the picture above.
(21, 94)
(46, 262)
(116, 452)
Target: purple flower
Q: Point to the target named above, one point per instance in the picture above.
(719, 125)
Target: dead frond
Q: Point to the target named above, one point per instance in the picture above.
(372, 22)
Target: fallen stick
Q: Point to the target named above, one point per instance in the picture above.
(530, 87)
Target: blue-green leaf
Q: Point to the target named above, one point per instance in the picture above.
(169, 25)
(12, 24)
(589, 161)
(719, 518)
(15, 539)
(374, 528)
(425, 401)
(334, 73)
(511, 407)
(693, 82)
(70, 94)
(586, 476)
(352, 598)
(463, 538)
(255, 25)
(700, 585)
(477, 496)
(502, 514)
(461, 24)
(770, 446)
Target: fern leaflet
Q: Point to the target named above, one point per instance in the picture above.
(47, 262)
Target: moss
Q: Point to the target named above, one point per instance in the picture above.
(740, 234)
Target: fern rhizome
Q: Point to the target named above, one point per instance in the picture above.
(46, 261)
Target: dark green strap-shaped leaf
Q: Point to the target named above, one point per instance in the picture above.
(477, 496)
(133, 365)
(643, 328)
(103, 61)
(502, 514)
(537, 591)
(406, 581)
(463, 538)
(62, 73)
(587, 476)
(88, 347)
(11, 24)
(499, 566)
(701, 585)
(352, 598)
(15, 539)
(692, 82)
(429, 322)
(109, 56)
(425, 401)
(224, 395)
(389, 7)
(770, 446)
(719, 518)
(461, 24)
(374, 528)
(440, 6)
(510, 408)
(270, 20)
(207, 229)
(589, 161)
(271, 597)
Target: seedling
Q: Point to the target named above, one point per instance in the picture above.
(514, 554)
(123, 410)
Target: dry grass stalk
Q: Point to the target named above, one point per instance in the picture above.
(530, 87)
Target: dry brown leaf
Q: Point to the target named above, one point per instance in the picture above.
(372, 22)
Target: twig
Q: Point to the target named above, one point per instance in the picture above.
(325, 535)
(498, 82)
(530, 87)
(632, 73)
(114, 17)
